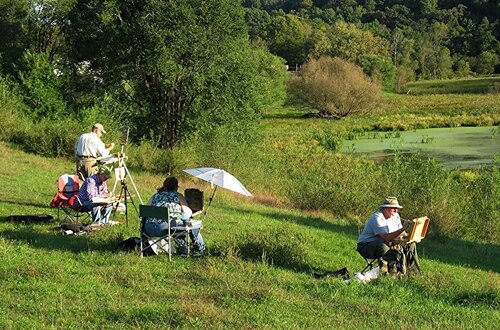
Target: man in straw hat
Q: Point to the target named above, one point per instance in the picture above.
(87, 148)
(381, 231)
(94, 188)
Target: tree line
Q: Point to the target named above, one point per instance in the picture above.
(423, 39)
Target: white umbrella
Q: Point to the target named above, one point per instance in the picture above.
(218, 177)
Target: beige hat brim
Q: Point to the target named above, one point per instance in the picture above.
(392, 206)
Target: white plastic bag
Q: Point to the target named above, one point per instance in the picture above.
(368, 276)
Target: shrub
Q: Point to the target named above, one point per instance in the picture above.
(486, 62)
(11, 108)
(335, 87)
(48, 138)
(379, 68)
(271, 78)
(481, 206)
(337, 183)
(462, 68)
(147, 156)
(404, 74)
(41, 87)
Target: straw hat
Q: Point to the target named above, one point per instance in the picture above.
(391, 202)
(99, 127)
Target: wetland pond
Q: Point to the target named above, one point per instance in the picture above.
(458, 147)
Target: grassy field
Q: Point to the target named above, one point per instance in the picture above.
(257, 274)
(453, 86)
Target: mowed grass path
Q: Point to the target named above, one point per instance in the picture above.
(52, 281)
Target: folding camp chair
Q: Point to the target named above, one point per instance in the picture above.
(68, 186)
(369, 264)
(177, 235)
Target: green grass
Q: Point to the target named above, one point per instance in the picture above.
(52, 281)
(452, 86)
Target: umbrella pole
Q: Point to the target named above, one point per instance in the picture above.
(209, 203)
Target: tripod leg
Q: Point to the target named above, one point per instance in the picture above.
(122, 193)
(127, 197)
(131, 199)
(126, 205)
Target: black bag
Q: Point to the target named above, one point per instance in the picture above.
(343, 273)
(194, 199)
(395, 260)
(132, 244)
(75, 227)
(402, 260)
(35, 218)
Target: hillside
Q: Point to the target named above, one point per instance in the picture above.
(54, 281)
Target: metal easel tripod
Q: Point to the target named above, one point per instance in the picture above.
(121, 174)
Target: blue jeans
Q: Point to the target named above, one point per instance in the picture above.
(160, 229)
(100, 213)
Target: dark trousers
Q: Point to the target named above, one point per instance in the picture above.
(377, 250)
(373, 250)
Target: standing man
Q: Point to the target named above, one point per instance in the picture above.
(87, 148)
(381, 232)
(95, 187)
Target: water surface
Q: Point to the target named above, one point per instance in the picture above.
(461, 147)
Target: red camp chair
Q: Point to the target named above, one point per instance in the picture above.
(68, 186)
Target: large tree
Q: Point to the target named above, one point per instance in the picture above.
(34, 25)
(288, 37)
(184, 65)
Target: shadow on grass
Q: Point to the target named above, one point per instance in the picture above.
(24, 203)
(451, 251)
(285, 249)
(458, 252)
(56, 242)
(282, 256)
(349, 230)
(488, 299)
(284, 116)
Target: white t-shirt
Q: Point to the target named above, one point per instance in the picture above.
(89, 144)
(378, 224)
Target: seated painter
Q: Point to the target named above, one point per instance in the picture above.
(383, 238)
(93, 190)
(179, 213)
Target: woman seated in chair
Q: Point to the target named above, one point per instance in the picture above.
(178, 210)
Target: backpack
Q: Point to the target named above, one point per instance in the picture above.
(396, 261)
(131, 244)
(402, 260)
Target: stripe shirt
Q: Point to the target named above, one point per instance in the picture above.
(92, 187)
